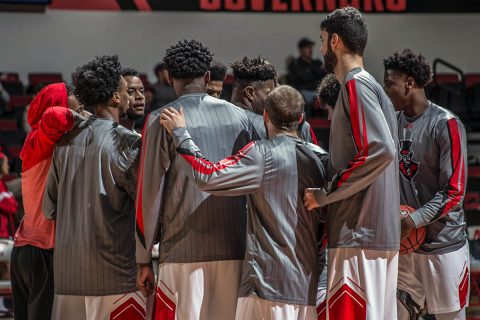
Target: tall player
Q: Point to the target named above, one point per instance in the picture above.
(433, 172)
(202, 237)
(280, 270)
(363, 220)
(254, 79)
(90, 193)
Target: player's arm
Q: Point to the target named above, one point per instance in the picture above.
(53, 125)
(50, 196)
(125, 167)
(155, 160)
(374, 145)
(236, 175)
(452, 143)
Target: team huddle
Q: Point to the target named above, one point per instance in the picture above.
(253, 219)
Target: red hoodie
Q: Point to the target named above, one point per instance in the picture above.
(49, 118)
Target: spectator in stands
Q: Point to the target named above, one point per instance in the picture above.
(136, 99)
(4, 98)
(164, 92)
(218, 72)
(328, 92)
(305, 73)
(8, 204)
(32, 256)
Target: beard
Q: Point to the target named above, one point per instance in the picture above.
(330, 60)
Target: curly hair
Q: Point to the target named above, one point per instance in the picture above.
(188, 59)
(130, 72)
(411, 64)
(328, 90)
(96, 81)
(218, 71)
(251, 70)
(350, 26)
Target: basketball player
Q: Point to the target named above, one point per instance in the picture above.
(254, 79)
(90, 193)
(31, 263)
(328, 92)
(202, 237)
(135, 89)
(218, 72)
(280, 270)
(433, 170)
(363, 220)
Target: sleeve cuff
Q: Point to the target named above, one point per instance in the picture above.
(418, 219)
(179, 135)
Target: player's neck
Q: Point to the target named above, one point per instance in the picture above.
(194, 86)
(128, 123)
(244, 104)
(107, 112)
(345, 64)
(274, 132)
(417, 104)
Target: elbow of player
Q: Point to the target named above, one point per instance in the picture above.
(389, 153)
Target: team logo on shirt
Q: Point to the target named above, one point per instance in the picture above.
(408, 167)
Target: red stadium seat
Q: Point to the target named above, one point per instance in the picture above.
(10, 76)
(18, 101)
(472, 79)
(446, 78)
(8, 124)
(36, 78)
(14, 150)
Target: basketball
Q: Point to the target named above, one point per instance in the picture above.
(416, 236)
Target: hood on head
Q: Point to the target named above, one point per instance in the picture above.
(53, 95)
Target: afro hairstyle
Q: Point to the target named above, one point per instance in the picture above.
(328, 90)
(188, 59)
(218, 71)
(412, 64)
(350, 26)
(96, 81)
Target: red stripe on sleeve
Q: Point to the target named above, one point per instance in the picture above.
(457, 180)
(206, 167)
(361, 144)
(314, 137)
(139, 213)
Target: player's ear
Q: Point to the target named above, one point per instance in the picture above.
(410, 83)
(207, 77)
(334, 40)
(265, 116)
(116, 99)
(249, 92)
(300, 118)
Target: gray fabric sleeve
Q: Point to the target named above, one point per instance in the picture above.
(375, 147)
(451, 141)
(50, 196)
(239, 174)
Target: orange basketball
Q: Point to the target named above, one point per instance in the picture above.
(416, 236)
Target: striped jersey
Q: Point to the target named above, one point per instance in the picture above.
(282, 255)
(192, 226)
(432, 159)
(305, 131)
(363, 198)
(90, 192)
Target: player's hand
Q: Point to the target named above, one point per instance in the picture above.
(407, 226)
(145, 279)
(172, 119)
(309, 200)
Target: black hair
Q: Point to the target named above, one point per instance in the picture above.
(349, 24)
(409, 63)
(130, 72)
(70, 89)
(253, 70)
(328, 90)
(188, 59)
(159, 67)
(285, 106)
(96, 81)
(218, 71)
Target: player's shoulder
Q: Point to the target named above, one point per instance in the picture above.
(440, 115)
